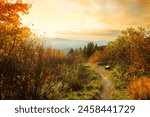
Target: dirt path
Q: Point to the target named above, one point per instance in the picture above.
(107, 84)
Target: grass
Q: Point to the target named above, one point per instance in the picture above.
(91, 91)
(139, 89)
(120, 84)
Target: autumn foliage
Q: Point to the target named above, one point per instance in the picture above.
(139, 89)
(130, 54)
(9, 12)
(130, 50)
(30, 71)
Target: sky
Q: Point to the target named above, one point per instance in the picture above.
(86, 19)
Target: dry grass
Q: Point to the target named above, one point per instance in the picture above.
(139, 88)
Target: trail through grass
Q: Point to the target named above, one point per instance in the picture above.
(105, 77)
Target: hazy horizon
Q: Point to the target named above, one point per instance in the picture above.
(63, 44)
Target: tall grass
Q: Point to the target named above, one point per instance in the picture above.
(140, 88)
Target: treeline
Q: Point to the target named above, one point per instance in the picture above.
(87, 51)
(30, 71)
(130, 56)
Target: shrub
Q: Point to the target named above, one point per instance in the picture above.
(120, 95)
(139, 88)
(118, 78)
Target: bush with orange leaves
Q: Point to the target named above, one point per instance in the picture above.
(139, 89)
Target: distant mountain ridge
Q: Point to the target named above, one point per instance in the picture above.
(66, 44)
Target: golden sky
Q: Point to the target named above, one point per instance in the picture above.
(86, 19)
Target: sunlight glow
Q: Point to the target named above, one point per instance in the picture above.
(68, 18)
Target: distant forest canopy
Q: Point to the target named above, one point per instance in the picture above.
(30, 71)
(88, 50)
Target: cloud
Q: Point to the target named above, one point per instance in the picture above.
(94, 34)
(117, 12)
(81, 2)
(112, 16)
(89, 18)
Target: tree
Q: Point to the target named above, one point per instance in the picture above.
(90, 49)
(130, 50)
(71, 51)
(12, 40)
(11, 30)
